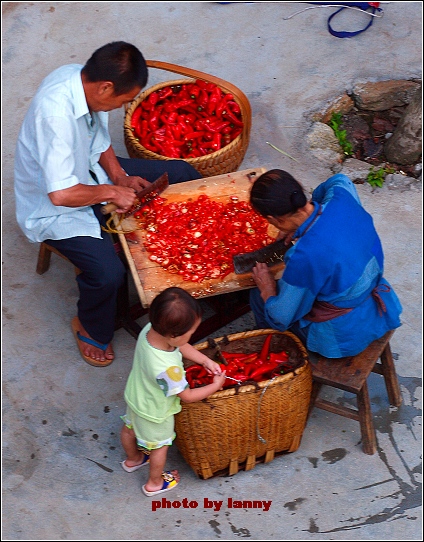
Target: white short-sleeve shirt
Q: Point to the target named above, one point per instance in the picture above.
(58, 144)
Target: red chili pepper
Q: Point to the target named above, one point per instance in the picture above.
(261, 372)
(230, 116)
(172, 117)
(154, 120)
(226, 140)
(279, 357)
(194, 91)
(217, 141)
(135, 118)
(223, 104)
(145, 104)
(213, 101)
(195, 375)
(201, 124)
(177, 131)
(190, 118)
(170, 150)
(183, 103)
(153, 98)
(240, 357)
(263, 356)
(164, 93)
(192, 368)
(193, 135)
(217, 126)
(144, 127)
(227, 130)
(194, 153)
(205, 150)
(231, 367)
(202, 99)
(235, 133)
(201, 84)
(149, 144)
(159, 134)
(234, 107)
(139, 130)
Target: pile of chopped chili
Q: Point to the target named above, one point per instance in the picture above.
(197, 239)
(187, 121)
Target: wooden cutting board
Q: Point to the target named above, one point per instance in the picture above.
(150, 278)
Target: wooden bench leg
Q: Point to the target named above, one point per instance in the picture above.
(44, 256)
(369, 440)
(390, 377)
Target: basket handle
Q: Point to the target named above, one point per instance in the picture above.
(212, 79)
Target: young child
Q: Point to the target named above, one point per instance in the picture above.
(157, 383)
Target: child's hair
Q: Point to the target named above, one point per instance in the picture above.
(174, 312)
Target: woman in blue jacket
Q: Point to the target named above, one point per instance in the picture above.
(332, 294)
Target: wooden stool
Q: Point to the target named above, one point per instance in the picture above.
(44, 256)
(350, 374)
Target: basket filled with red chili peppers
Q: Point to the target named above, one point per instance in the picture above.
(260, 413)
(203, 120)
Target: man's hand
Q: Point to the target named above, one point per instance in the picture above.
(84, 195)
(124, 198)
(136, 183)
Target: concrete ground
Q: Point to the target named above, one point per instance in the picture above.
(61, 449)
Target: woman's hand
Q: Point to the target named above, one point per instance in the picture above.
(288, 237)
(264, 280)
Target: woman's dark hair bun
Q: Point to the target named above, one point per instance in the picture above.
(277, 193)
(298, 199)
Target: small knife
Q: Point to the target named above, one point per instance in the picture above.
(144, 197)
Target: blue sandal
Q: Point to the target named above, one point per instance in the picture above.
(87, 340)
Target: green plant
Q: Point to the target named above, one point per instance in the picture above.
(335, 123)
(376, 176)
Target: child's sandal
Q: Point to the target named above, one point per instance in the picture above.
(145, 461)
(169, 482)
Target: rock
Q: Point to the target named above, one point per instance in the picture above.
(396, 181)
(324, 144)
(356, 170)
(383, 94)
(371, 114)
(405, 145)
(343, 104)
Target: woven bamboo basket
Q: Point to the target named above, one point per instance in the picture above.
(236, 428)
(225, 160)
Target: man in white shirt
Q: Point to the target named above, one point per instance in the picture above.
(65, 168)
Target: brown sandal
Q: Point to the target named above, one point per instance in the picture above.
(81, 338)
